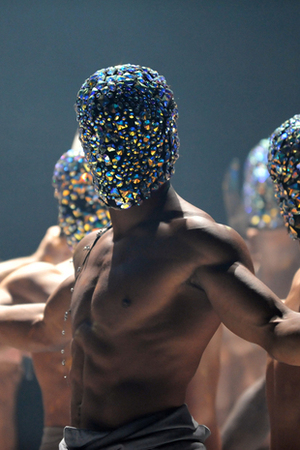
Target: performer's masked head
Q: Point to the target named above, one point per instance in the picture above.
(79, 209)
(127, 122)
(284, 168)
(259, 199)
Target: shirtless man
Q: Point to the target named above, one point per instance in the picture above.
(202, 390)
(283, 381)
(37, 281)
(206, 376)
(52, 249)
(153, 289)
(257, 216)
(80, 212)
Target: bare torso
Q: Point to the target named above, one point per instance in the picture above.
(202, 391)
(140, 326)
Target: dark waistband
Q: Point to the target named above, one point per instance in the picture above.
(166, 427)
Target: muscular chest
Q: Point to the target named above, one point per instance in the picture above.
(136, 279)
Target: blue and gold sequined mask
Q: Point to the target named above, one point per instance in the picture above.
(258, 192)
(127, 121)
(79, 209)
(284, 168)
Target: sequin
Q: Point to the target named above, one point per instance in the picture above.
(258, 193)
(284, 169)
(78, 201)
(124, 113)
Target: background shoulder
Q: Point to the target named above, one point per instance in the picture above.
(79, 253)
(83, 247)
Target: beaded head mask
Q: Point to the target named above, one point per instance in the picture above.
(127, 121)
(79, 209)
(258, 192)
(284, 168)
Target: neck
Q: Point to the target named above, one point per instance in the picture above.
(151, 209)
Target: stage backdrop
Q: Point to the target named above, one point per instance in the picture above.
(234, 68)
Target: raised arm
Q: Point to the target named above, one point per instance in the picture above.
(38, 327)
(51, 249)
(33, 283)
(9, 266)
(244, 304)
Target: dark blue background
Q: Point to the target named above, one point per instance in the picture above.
(234, 67)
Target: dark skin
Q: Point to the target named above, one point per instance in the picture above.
(50, 372)
(202, 391)
(150, 296)
(36, 282)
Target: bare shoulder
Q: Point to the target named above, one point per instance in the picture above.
(84, 246)
(214, 243)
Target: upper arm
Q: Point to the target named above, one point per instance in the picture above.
(32, 283)
(244, 304)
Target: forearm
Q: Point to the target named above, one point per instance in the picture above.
(252, 311)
